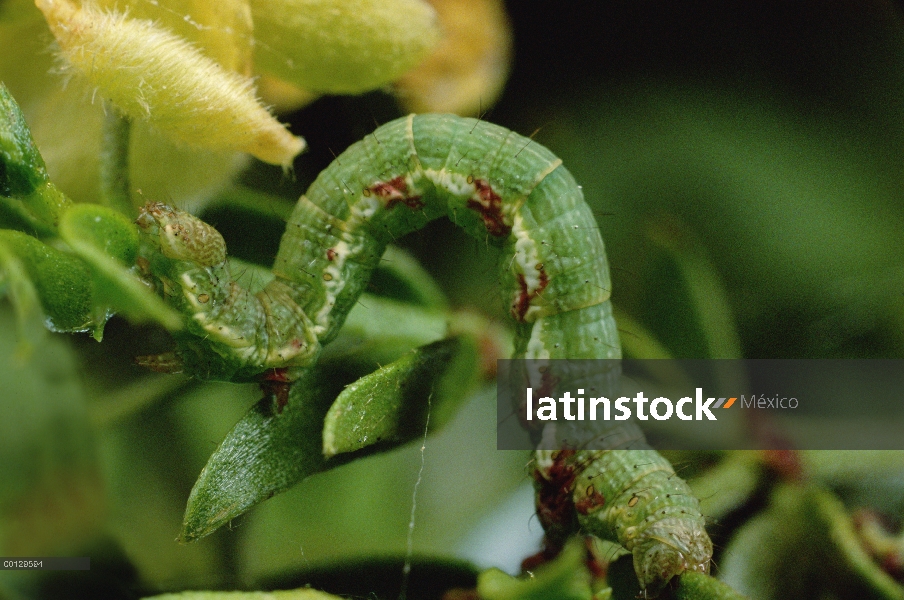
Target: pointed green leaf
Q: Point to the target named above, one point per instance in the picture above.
(270, 450)
(108, 242)
(22, 169)
(27, 198)
(267, 452)
(394, 404)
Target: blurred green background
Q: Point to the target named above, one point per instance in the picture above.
(746, 164)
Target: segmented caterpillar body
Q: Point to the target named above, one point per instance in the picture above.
(633, 497)
(499, 187)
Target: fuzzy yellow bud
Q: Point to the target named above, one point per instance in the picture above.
(222, 29)
(151, 74)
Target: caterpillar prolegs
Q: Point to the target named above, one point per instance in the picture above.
(499, 187)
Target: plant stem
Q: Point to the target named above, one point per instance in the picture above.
(114, 162)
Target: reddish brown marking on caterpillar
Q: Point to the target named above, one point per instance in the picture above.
(276, 384)
(522, 304)
(489, 206)
(593, 500)
(395, 191)
(555, 506)
(330, 254)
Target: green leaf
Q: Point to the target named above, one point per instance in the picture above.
(103, 228)
(270, 450)
(27, 198)
(772, 555)
(267, 452)
(394, 404)
(729, 484)
(22, 169)
(844, 545)
(62, 281)
(108, 242)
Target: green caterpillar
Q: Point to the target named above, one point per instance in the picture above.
(499, 187)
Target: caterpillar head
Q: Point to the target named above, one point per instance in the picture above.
(668, 548)
(182, 236)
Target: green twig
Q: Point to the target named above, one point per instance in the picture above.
(114, 162)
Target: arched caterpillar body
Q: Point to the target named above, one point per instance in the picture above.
(499, 187)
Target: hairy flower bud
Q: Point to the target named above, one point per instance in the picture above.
(150, 73)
